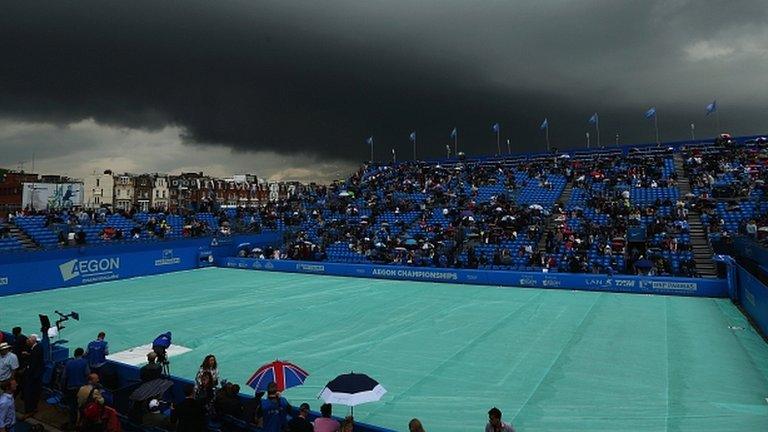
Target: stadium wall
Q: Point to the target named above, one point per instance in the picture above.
(586, 282)
(42, 270)
(752, 295)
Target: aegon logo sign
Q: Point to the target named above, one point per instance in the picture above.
(90, 270)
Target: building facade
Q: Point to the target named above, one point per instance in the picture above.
(142, 192)
(99, 190)
(160, 193)
(11, 189)
(124, 192)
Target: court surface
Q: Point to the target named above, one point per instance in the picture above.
(551, 360)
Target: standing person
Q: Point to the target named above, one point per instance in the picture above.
(19, 342)
(19, 348)
(9, 363)
(415, 426)
(97, 353)
(274, 408)
(188, 416)
(33, 376)
(209, 365)
(495, 424)
(300, 423)
(204, 392)
(7, 406)
(326, 423)
(75, 376)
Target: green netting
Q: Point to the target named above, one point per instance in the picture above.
(552, 360)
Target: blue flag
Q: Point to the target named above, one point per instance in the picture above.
(496, 128)
(712, 107)
(594, 119)
(369, 140)
(454, 133)
(651, 113)
(412, 136)
(544, 124)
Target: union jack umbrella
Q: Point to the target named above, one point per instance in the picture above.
(284, 374)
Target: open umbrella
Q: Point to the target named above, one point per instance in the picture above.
(151, 389)
(284, 374)
(352, 389)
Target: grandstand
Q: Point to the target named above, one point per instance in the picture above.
(636, 219)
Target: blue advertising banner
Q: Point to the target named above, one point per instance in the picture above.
(589, 282)
(35, 271)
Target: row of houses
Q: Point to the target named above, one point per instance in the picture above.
(19, 190)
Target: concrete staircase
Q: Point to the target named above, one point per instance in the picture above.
(550, 223)
(702, 250)
(23, 238)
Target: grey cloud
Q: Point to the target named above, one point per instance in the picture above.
(313, 79)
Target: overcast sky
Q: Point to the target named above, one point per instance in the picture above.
(290, 89)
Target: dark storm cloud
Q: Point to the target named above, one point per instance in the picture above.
(318, 77)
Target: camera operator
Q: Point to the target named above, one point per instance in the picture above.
(160, 347)
(152, 370)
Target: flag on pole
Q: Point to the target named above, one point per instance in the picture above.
(594, 119)
(651, 113)
(412, 137)
(369, 140)
(712, 107)
(544, 124)
(454, 133)
(496, 128)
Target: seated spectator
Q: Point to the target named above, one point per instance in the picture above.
(326, 423)
(155, 417)
(300, 423)
(495, 424)
(348, 425)
(90, 403)
(252, 410)
(228, 402)
(415, 426)
(189, 415)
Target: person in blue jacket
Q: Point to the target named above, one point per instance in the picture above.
(275, 409)
(97, 353)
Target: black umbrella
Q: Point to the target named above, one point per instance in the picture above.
(151, 389)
